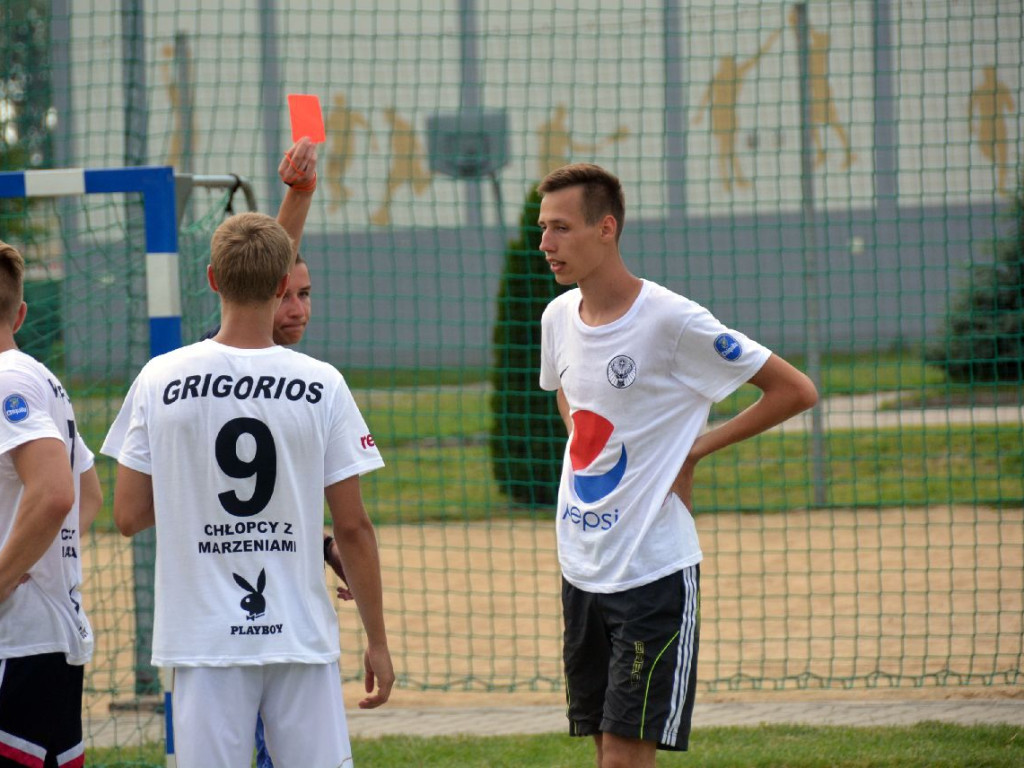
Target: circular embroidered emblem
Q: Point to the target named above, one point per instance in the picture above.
(728, 347)
(15, 408)
(621, 371)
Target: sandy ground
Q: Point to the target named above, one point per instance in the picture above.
(908, 603)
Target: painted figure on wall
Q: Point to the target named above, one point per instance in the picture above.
(720, 98)
(408, 165)
(176, 69)
(342, 125)
(823, 109)
(992, 101)
(556, 146)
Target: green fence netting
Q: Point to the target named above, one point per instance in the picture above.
(841, 180)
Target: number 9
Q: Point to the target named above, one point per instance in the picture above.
(263, 465)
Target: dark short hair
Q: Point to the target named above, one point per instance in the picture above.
(602, 191)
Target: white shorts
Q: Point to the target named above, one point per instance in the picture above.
(214, 715)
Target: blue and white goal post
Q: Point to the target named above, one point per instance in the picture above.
(163, 293)
(156, 184)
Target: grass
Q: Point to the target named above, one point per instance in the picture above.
(950, 465)
(925, 745)
(845, 375)
(448, 476)
(432, 427)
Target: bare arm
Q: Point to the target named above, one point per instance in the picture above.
(357, 545)
(133, 501)
(90, 498)
(333, 558)
(564, 410)
(785, 392)
(298, 171)
(44, 470)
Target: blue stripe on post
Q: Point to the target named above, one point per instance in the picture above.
(164, 334)
(12, 184)
(114, 180)
(161, 211)
(168, 727)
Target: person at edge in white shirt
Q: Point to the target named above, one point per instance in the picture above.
(49, 494)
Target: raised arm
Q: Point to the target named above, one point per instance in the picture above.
(298, 171)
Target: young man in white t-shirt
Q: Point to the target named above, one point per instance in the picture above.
(49, 493)
(635, 368)
(233, 443)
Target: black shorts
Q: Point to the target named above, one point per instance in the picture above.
(631, 659)
(41, 712)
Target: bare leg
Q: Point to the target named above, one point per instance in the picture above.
(618, 752)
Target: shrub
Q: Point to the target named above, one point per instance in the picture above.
(984, 339)
(527, 433)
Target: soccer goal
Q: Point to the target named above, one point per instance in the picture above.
(88, 288)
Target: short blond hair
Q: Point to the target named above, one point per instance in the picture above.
(12, 281)
(250, 253)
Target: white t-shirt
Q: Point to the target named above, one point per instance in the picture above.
(240, 444)
(45, 614)
(639, 391)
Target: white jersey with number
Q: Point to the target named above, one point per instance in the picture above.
(45, 614)
(639, 391)
(240, 444)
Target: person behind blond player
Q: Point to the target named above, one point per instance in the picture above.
(233, 444)
(49, 494)
(635, 368)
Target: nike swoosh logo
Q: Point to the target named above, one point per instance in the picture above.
(563, 371)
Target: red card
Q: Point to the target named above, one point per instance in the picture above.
(307, 119)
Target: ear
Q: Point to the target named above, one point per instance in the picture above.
(609, 227)
(282, 287)
(20, 317)
(211, 279)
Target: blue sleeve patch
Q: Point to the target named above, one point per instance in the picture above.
(727, 346)
(15, 408)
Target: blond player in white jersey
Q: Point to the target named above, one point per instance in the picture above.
(232, 446)
(635, 368)
(49, 493)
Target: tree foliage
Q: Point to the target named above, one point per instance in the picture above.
(527, 433)
(984, 339)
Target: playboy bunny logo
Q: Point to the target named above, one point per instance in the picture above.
(254, 602)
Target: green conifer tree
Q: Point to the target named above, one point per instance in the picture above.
(527, 433)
